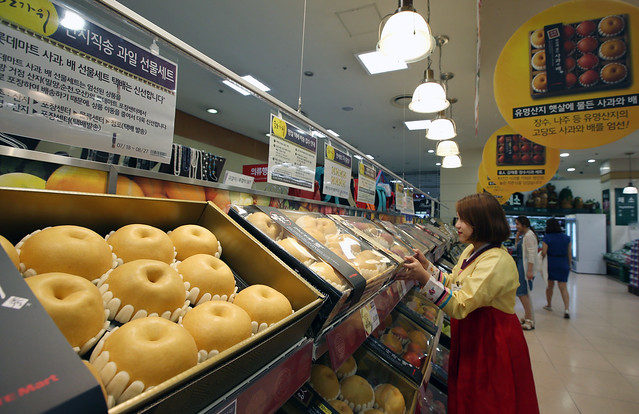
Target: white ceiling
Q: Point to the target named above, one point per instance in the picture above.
(264, 39)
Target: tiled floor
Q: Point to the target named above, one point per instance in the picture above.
(589, 363)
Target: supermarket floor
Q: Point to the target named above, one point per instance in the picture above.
(589, 363)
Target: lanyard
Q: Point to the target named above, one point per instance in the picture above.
(476, 253)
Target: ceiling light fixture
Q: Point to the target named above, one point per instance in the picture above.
(451, 161)
(406, 36)
(445, 148)
(212, 111)
(430, 151)
(571, 169)
(430, 95)
(630, 189)
(332, 132)
(591, 161)
(564, 155)
(441, 128)
(438, 164)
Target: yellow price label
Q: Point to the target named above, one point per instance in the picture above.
(362, 169)
(330, 152)
(39, 16)
(279, 127)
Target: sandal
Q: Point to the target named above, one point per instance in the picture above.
(566, 315)
(548, 308)
(528, 325)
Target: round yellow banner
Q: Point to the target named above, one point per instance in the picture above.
(39, 16)
(484, 183)
(515, 163)
(565, 77)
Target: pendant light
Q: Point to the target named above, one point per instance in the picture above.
(406, 35)
(430, 95)
(445, 148)
(451, 161)
(630, 189)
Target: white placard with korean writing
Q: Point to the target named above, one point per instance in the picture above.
(366, 184)
(93, 93)
(291, 156)
(408, 205)
(337, 172)
(238, 180)
(400, 200)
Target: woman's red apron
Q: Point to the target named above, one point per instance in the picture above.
(490, 369)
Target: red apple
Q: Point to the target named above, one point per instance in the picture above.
(525, 158)
(569, 46)
(413, 359)
(571, 80)
(568, 31)
(586, 28)
(416, 348)
(587, 61)
(587, 44)
(515, 158)
(538, 148)
(515, 138)
(515, 147)
(570, 63)
(538, 159)
(525, 147)
(500, 149)
(501, 159)
(501, 139)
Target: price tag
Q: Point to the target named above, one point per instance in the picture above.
(238, 180)
(279, 127)
(370, 317)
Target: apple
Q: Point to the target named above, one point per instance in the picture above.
(538, 159)
(501, 139)
(419, 338)
(500, 149)
(501, 159)
(525, 147)
(413, 358)
(525, 158)
(392, 342)
(515, 147)
(416, 348)
(515, 158)
(515, 138)
(538, 148)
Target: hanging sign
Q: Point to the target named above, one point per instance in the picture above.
(89, 87)
(567, 77)
(517, 164)
(485, 184)
(366, 184)
(625, 208)
(517, 200)
(291, 156)
(404, 199)
(337, 172)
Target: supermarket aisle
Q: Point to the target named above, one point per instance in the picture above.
(589, 363)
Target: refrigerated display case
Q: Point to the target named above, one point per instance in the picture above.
(588, 242)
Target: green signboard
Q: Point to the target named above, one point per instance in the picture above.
(625, 208)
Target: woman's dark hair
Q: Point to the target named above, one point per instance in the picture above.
(525, 221)
(485, 215)
(553, 226)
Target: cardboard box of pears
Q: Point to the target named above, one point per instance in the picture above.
(348, 258)
(365, 381)
(57, 378)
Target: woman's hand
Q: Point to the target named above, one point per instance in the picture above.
(414, 270)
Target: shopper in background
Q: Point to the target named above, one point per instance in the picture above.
(526, 251)
(556, 246)
(489, 370)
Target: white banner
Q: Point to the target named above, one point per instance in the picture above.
(53, 94)
(366, 184)
(291, 156)
(337, 172)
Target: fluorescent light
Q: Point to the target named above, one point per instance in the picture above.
(438, 164)
(333, 132)
(430, 151)
(376, 62)
(240, 89)
(212, 111)
(359, 157)
(370, 157)
(591, 161)
(415, 125)
(317, 134)
(571, 169)
(72, 21)
(564, 154)
(259, 85)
